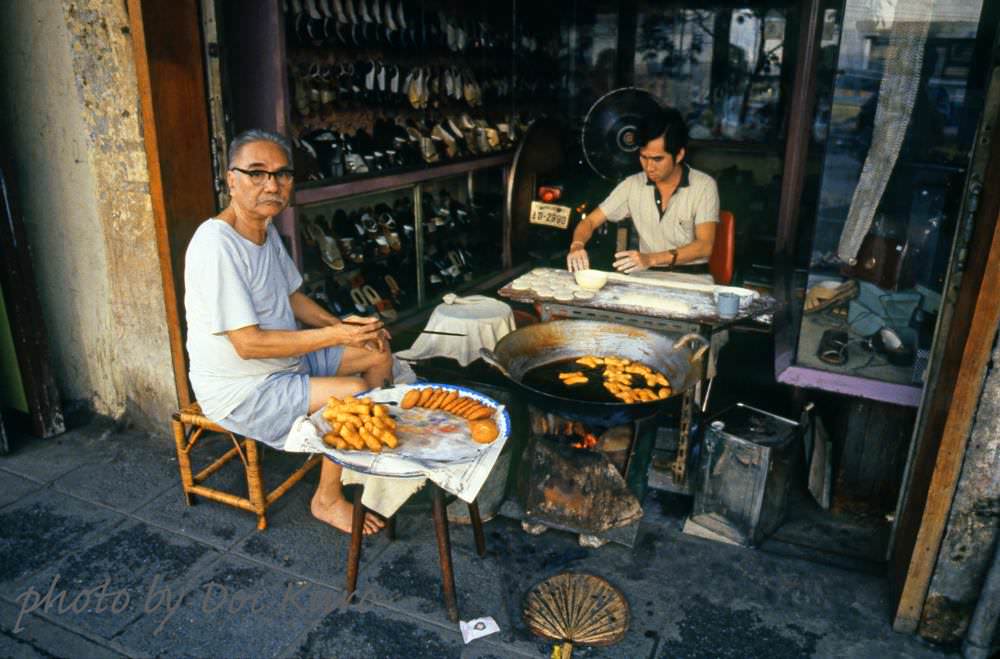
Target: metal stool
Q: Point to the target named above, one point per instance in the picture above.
(189, 425)
(443, 543)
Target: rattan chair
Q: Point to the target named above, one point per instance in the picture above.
(190, 426)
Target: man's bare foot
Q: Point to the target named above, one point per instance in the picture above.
(337, 514)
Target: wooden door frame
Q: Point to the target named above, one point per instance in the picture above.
(170, 72)
(24, 313)
(942, 435)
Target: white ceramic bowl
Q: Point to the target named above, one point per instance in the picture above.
(591, 280)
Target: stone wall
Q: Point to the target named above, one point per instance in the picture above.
(73, 126)
(973, 524)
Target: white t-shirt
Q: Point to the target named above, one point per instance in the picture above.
(229, 283)
(695, 201)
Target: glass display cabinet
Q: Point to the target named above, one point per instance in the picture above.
(900, 117)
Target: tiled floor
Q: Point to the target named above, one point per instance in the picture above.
(99, 557)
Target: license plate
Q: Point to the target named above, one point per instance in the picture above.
(550, 215)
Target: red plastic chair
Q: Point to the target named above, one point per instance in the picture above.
(720, 264)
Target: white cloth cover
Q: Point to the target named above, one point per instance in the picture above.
(481, 320)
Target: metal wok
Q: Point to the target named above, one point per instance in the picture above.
(533, 346)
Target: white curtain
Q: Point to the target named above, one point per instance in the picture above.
(908, 22)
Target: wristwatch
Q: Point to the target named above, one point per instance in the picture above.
(673, 258)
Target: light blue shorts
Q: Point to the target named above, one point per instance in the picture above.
(267, 414)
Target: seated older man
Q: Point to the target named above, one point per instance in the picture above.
(262, 352)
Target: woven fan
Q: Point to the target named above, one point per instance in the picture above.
(576, 608)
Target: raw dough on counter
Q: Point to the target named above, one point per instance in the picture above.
(657, 302)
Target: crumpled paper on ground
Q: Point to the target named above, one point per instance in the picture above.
(477, 628)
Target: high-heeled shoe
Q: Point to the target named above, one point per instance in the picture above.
(328, 249)
(300, 96)
(338, 11)
(311, 9)
(388, 16)
(400, 14)
(429, 150)
(450, 144)
(388, 226)
(395, 291)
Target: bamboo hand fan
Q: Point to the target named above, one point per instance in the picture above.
(576, 608)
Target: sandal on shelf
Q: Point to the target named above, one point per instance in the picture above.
(833, 347)
(383, 306)
(369, 224)
(361, 303)
(388, 225)
(828, 293)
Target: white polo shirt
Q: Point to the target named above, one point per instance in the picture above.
(695, 201)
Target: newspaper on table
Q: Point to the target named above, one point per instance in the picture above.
(432, 443)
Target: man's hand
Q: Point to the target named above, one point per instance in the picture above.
(631, 261)
(359, 331)
(379, 344)
(577, 258)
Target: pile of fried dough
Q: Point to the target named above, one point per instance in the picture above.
(619, 376)
(481, 426)
(358, 423)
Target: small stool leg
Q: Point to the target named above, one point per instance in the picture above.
(477, 528)
(444, 552)
(255, 484)
(183, 461)
(354, 554)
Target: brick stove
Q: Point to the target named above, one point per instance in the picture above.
(589, 480)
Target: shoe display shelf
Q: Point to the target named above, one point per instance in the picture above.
(378, 86)
(396, 250)
(403, 119)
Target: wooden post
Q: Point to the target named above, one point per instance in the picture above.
(953, 391)
(961, 411)
(166, 39)
(24, 311)
(796, 153)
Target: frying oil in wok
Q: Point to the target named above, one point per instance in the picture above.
(546, 379)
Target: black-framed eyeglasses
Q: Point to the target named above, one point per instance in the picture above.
(260, 176)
